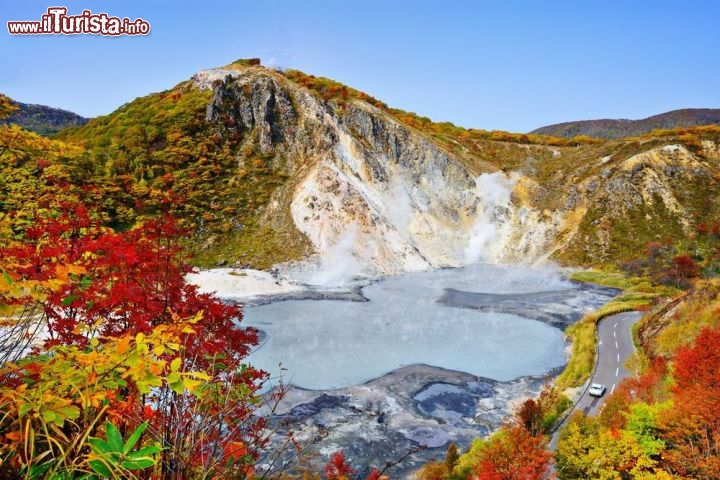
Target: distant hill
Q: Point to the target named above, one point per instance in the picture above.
(43, 119)
(613, 129)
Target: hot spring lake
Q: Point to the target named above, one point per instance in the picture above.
(486, 320)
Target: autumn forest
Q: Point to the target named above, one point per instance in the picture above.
(113, 366)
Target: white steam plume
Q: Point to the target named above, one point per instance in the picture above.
(338, 263)
(493, 190)
(400, 209)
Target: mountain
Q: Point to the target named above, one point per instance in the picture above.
(614, 129)
(42, 119)
(264, 167)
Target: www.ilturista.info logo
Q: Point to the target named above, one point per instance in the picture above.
(57, 22)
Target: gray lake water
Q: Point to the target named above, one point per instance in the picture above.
(495, 327)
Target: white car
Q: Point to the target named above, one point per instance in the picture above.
(597, 390)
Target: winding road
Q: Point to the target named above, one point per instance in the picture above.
(615, 345)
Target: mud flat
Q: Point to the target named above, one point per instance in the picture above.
(418, 408)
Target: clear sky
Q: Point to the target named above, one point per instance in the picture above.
(509, 65)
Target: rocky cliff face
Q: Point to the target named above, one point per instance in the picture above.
(376, 196)
(372, 195)
(620, 204)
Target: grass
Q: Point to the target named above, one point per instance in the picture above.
(606, 279)
(683, 324)
(556, 411)
(637, 294)
(257, 246)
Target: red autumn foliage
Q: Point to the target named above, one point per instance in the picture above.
(515, 454)
(649, 387)
(683, 268)
(337, 468)
(692, 427)
(715, 230)
(696, 367)
(530, 416)
(131, 282)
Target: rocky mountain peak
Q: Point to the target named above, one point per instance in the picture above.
(309, 168)
(377, 196)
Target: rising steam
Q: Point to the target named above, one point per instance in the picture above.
(493, 190)
(338, 263)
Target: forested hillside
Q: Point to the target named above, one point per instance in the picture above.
(614, 129)
(113, 366)
(42, 119)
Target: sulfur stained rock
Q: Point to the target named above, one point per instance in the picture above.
(357, 183)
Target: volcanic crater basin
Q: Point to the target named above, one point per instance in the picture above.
(430, 358)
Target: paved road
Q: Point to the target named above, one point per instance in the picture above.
(615, 346)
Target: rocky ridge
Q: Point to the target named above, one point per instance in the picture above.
(375, 196)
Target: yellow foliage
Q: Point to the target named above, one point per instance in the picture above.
(637, 294)
(700, 310)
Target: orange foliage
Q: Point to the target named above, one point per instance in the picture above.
(648, 388)
(513, 455)
(692, 428)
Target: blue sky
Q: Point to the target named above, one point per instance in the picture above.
(509, 65)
